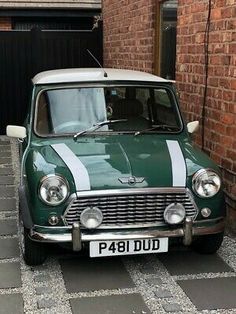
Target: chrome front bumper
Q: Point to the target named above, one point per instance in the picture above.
(77, 236)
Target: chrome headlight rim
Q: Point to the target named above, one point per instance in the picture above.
(199, 173)
(61, 178)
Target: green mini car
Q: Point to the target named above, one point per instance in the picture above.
(107, 164)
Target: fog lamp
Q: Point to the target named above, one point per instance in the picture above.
(205, 212)
(91, 217)
(174, 213)
(53, 220)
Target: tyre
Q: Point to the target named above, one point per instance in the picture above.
(208, 244)
(34, 253)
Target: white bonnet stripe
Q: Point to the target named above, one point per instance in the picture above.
(76, 167)
(177, 163)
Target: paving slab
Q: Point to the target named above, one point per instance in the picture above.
(147, 269)
(5, 148)
(7, 204)
(43, 290)
(6, 180)
(6, 171)
(86, 274)
(4, 143)
(5, 160)
(8, 227)
(46, 303)
(6, 191)
(114, 304)
(163, 293)
(172, 307)
(211, 293)
(190, 262)
(154, 281)
(42, 278)
(5, 153)
(9, 248)
(11, 304)
(10, 276)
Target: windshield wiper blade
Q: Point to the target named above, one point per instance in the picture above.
(165, 127)
(98, 126)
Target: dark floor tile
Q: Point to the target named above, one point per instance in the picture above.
(6, 191)
(5, 160)
(5, 148)
(114, 304)
(211, 294)
(10, 276)
(86, 274)
(9, 248)
(6, 180)
(4, 143)
(5, 153)
(11, 303)
(6, 171)
(8, 227)
(7, 204)
(190, 262)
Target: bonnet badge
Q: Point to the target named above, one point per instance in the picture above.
(132, 180)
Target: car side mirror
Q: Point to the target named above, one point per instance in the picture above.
(16, 131)
(193, 126)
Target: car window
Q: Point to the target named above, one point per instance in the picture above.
(72, 110)
(161, 96)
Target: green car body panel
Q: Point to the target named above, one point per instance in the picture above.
(125, 155)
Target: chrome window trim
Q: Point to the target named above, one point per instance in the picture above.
(130, 191)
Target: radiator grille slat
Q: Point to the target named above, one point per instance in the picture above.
(129, 210)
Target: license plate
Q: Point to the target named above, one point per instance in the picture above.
(128, 247)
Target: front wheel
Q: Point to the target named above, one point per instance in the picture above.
(34, 253)
(208, 244)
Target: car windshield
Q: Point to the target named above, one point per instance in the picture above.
(74, 110)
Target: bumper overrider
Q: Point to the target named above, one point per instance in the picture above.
(75, 235)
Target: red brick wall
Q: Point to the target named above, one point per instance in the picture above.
(5, 23)
(220, 121)
(129, 40)
(129, 34)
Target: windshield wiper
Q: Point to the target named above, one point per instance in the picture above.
(98, 126)
(164, 127)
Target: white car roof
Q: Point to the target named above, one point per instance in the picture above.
(93, 75)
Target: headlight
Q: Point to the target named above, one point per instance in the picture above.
(206, 183)
(53, 190)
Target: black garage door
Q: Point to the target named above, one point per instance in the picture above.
(25, 53)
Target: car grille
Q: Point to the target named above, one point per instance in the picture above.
(131, 208)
